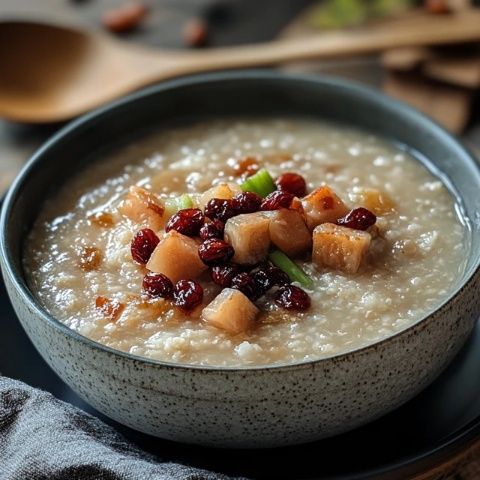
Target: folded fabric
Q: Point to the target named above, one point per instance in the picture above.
(42, 438)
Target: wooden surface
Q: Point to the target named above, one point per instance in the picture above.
(241, 23)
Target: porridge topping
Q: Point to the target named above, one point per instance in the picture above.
(239, 243)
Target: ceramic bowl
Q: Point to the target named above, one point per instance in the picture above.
(246, 407)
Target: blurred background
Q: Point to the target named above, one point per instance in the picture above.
(442, 80)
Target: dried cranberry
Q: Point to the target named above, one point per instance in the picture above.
(187, 294)
(267, 277)
(292, 183)
(213, 229)
(277, 199)
(157, 285)
(187, 222)
(247, 202)
(246, 284)
(358, 218)
(220, 208)
(223, 274)
(215, 251)
(143, 245)
(291, 297)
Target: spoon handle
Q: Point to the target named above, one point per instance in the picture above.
(420, 30)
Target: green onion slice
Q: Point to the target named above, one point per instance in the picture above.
(295, 273)
(174, 204)
(261, 183)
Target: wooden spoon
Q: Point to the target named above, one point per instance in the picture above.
(50, 73)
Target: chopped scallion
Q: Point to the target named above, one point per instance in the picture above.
(174, 204)
(295, 273)
(261, 183)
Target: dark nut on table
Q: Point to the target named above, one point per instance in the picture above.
(124, 18)
(195, 33)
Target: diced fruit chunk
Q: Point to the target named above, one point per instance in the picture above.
(176, 256)
(231, 311)
(288, 231)
(340, 248)
(143, 207)
(249, 236)
(225, 191)
(322, 206)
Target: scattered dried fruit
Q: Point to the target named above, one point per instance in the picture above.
(276, 200)
(248, 166)
(187, 222)
(124, 18)
(268, 276)
(246, 284)
(247, 202)
(157, 285)
(102, 219)
(187, 294)
(378, 202)
(220, 208)
(213, 229)
(215, 251)
(143, 245)
(90, 258)
(358, 218)
(291, 297)
(223, 274)
(292, 183)
(111, 309)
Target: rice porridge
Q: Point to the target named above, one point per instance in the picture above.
(158, 251)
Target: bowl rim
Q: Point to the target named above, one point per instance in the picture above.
(366, 92)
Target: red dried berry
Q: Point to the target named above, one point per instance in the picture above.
(187, 294)
(358, 218)
(187, 222)
(292, 183)
(213, 229)
(247, 202)
(215, 251)
(277, 199)
(246, 284)
(157, 285)
(220, 208)
(143, 245)
(223, 274)
(291, 297)
(267, 277)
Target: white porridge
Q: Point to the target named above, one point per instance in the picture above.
(361, 284)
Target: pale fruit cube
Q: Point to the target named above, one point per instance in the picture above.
(288, 231)
(338, 247)
(225, 191)
(176, 256)
(321, 206)
(143, 207)
(249, 235)
(231, 311)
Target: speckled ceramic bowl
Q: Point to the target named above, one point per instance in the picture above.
(246, 407)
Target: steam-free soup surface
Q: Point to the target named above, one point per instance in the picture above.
(412, 268)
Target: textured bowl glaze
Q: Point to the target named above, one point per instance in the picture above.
(261, 406)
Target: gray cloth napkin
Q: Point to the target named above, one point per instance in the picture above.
(42, 438)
